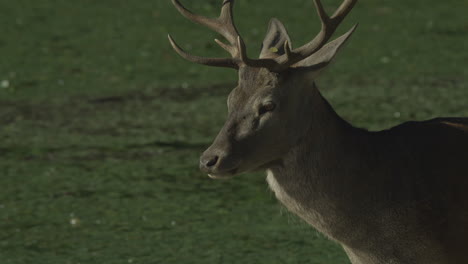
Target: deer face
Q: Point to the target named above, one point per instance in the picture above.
(257, 128)
(265, 109)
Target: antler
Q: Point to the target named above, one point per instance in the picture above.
(329, 26)
(225, 26)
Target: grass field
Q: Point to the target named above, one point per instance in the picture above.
(101, 124)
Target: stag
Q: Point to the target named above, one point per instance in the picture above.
(393, 196)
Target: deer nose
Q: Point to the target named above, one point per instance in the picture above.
(208, 162)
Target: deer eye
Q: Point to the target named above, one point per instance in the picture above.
(267, 107)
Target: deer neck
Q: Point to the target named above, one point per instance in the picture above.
(314, 178)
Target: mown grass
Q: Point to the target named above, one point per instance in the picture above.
(101, 125)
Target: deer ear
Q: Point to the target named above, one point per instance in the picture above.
(325, 55)
(273, 44)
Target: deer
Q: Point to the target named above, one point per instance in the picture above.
(387, 197)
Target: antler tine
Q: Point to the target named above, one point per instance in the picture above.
(287, 50)
(227, 22)
(343, 10)
(223, 25)
(329, 25)
(216, 62)
(211, 23)
(264, 63)
(321, 12)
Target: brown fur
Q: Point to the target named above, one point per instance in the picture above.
(394, 196)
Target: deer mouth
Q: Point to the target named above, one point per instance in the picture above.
(218, 177)
(223, 175)
(228, 174)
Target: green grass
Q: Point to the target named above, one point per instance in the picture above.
(102, 125)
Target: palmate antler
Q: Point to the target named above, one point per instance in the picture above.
(225, 26)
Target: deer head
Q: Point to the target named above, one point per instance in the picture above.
(265, 110)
